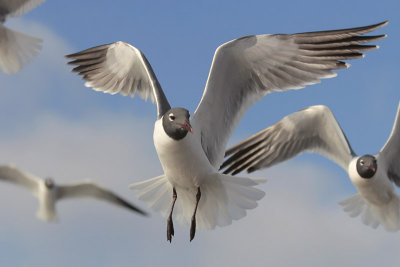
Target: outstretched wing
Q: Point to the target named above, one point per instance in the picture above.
(17, 7)
(390, 152)
(14, 175)
(119, 68)
(313, 129)
(89, 189)
(246, 69)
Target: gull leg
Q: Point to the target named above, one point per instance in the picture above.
(193, 225)
(170, 224)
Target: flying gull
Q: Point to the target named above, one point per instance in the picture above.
(16, 48)
(315, 129)
(191, 149)
(49, 192)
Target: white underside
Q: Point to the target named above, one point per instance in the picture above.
(223, 198)
(47, 210)
(377, 202)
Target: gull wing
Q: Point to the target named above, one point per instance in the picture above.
(313, 129)
(14, 175)
(119, 68)
(92, 190)
(246, 69)
(390, 152)
(17, 7)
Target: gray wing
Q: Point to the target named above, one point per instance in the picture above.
(246, 69)
(89, 189)
(119, 68)
(313, 129)
(13, 175)
(390, 152)
(17, 7)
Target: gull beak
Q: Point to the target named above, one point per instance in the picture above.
(186, 126)
(371, 167)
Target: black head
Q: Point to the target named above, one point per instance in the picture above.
(366, 166)
(176, 123)
(49, 183)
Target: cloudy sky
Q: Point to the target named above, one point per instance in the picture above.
(54, 126)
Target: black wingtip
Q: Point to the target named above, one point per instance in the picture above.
(140, 211)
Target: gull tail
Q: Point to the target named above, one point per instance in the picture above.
(47, 215)
(224, 198)
(373, 215)
(16, 49)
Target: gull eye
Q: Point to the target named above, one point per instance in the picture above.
(171, 117)
(362, 162)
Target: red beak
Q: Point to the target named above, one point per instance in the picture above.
(187, 126)
(371, 167)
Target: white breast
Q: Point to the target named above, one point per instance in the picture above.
(377, 190)
(184, 162)
(47, 199)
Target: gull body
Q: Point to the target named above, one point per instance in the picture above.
(189, 165)
(47, 200)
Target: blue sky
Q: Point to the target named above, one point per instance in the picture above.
(54, 126)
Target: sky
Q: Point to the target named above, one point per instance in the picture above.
(51, 125)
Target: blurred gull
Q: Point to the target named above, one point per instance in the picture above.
(49, 193)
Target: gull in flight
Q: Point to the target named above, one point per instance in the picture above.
(315, 129)
(191, 148)
(16, 49)
(49, 192)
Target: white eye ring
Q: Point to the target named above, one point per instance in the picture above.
(171, 117)
(361, 162)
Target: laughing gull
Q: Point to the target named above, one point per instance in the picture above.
(191, 149)
(49, 193)
(315, 129)
(16, 48)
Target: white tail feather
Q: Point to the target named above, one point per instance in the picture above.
(16, 49)
(47, 215)
(223, 198)
(388, 215)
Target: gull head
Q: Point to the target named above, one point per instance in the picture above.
(176, 123)
(49, 183)
(366, 166)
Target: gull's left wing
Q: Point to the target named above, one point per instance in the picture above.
(120, 68)
(14, 175)
(246, 69)
(89, 189)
